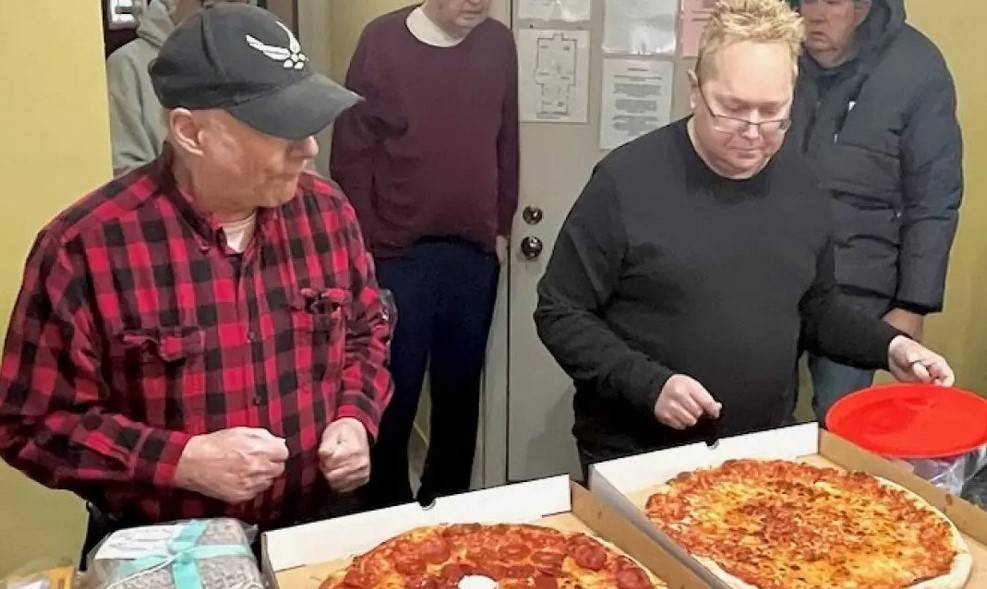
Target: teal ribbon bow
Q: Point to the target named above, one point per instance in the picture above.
(182, 555)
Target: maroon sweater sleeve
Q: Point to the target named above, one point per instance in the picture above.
(354, 140)
(507, 150)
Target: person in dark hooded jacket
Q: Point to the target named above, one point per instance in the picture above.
(876, 117)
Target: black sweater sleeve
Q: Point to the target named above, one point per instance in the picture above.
(574, 292)
(835, 329)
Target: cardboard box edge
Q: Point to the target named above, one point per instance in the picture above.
(611, 525)
(971, 520)
(425, 516)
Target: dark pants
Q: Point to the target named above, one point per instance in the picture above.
(444, 291)
(832, 381)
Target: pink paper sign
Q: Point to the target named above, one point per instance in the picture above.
(695, 15)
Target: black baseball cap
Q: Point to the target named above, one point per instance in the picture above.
(239, 58)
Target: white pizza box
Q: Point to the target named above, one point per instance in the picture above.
(626, 483)
(302, 557)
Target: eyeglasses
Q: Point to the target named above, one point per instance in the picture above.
(737, 126)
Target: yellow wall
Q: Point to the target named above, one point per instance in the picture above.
(961, 331)
(55, 148)
(348, 19)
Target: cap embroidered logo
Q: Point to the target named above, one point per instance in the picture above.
(291, 56)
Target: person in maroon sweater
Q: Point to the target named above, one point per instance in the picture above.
(430, 163)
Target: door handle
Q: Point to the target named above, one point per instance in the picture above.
(532, 215)
(531, 247)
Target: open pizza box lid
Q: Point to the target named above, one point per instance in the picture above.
(302, 556)
(625, 483)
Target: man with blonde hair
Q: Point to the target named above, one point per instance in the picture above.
(698, 259)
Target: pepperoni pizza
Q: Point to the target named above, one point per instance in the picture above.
(512, 556)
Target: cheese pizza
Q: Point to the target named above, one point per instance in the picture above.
(787, 525)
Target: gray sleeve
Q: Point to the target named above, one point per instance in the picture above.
(579, 280)
(132, 144)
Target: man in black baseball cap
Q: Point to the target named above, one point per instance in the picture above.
(227, 354)
(240, 59)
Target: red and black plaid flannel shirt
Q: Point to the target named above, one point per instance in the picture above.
(132, 333)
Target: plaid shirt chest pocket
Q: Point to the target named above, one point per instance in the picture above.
(310, 342)
(163, 376)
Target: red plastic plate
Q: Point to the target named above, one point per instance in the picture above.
(911, 421)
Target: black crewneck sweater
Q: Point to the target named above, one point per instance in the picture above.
(665, 267)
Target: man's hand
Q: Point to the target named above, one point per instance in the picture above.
(232, 465)
(683, 401)
(344, 455)
(912, 324)
(503, 244)
(910, 361)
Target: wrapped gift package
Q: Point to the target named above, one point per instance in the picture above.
(190, 554)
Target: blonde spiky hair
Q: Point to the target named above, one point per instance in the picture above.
(760, 21)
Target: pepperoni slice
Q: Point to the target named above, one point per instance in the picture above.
(479, 554)
(589, 556)
(513, 552)
(423, 583)
(543, 537)
(553, 559)
(553, 567)
(453, 572)
(520, 571)
(434, 551)
(632, 579)
(408, 564)
(546, 582)
(491, 569)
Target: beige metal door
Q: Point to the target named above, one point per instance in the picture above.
(556, 161)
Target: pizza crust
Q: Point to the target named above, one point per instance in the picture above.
(962, 566)
(957, 577)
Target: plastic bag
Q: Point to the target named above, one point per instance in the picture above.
(206, 553)
(950, 474)
(975, 490)
(41, 575)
